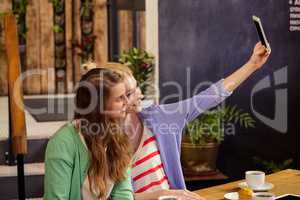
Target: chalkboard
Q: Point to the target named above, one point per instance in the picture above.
(209, 39)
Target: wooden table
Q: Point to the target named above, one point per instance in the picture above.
(286, 181)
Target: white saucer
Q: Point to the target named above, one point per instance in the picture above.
(265, 187)
(231, 196)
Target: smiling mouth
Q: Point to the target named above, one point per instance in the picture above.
(131, 108)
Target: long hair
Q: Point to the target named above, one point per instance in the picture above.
(108, 146)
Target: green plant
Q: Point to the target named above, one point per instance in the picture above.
(86, 9)
(58, 29)
(19, 10)
(271, 166)
(2, 14)
(57, 4)
(211, 125)
(141, 63)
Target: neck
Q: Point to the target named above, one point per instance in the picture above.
(134, 129)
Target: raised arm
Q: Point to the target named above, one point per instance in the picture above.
(189, 109)
(259, 57)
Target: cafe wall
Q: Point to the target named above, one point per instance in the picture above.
(57, 36)
(207, 40)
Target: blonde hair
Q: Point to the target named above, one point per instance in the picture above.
(118, 67)
(114, 66)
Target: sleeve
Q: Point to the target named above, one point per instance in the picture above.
(187, 110)
(123, 190)
(58, 170)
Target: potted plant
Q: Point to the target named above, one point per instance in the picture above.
(203, 136)
(19, 10)
(58, 6)
(141, 63)
(87, 28)
(270, 166)
(86, 10)
(59, 20)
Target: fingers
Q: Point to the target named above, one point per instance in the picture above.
(267, 52)
(257, 45)
(269, 49)
(266, 56)
(194, 195)
(187, 195)
(261, 50)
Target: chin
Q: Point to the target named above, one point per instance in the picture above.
(119, 116)
(123, 115)
(139, 108)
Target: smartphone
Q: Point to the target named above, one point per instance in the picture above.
(261, 32)
(288, 197)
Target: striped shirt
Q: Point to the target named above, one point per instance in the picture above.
(147, 168)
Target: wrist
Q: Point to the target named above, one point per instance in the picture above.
(252, 66)
(162, 192)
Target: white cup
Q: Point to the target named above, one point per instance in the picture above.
(168, 198)
(263, 196)
(255, 179)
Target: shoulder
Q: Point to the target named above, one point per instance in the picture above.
(65, 133)
(62, 143)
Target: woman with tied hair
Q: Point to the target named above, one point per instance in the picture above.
(156, 131)
(137, 130)
(89, 157)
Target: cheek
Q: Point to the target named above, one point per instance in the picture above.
(116, 111)
(131, 100)
(116, 105)
(139, 92)
(136, 96)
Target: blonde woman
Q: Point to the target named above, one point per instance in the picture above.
(156, 132)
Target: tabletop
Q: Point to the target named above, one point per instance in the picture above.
(286, 181)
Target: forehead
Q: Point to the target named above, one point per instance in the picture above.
(117, 90)
(130, 82)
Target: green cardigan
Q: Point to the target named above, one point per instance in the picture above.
(66, 166)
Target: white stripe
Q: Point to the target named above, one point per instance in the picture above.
(154, 161)
(164, 185)
(156, 176)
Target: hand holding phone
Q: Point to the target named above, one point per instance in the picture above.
(261, 32)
